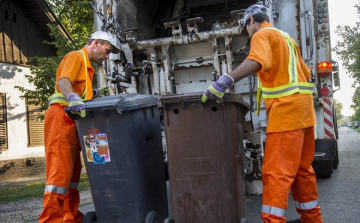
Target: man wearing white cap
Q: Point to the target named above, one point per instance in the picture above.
(62, 145)
(290, 146)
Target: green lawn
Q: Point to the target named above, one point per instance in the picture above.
(33, 191)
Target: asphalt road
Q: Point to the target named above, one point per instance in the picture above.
(339, 195)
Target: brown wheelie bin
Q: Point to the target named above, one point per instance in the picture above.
(205, 158)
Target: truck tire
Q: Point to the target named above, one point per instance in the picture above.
(90, 217)
(336, 158)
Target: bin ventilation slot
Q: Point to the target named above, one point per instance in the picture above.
(176, 111)
(214, 109)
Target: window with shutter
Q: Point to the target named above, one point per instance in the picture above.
(35, 126)
(3, 123)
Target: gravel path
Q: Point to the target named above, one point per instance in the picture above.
(29, 210)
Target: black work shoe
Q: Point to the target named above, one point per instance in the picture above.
(294, 221)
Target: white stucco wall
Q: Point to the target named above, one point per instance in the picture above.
(10, 76)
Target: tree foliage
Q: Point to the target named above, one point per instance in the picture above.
(338, 109)
(77, 18)
(348, 48)
(356, 105)
(348, 51)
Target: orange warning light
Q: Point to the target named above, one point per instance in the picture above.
(324, 68)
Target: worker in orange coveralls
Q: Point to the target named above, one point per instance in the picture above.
(290, 145)
(62, 145)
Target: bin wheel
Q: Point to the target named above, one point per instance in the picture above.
(90, 217)
(169, 220)
(151, 217)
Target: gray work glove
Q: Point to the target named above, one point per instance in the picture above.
(217, 90)
(76, 106)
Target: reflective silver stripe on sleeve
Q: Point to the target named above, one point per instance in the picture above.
(73, 185)
(55, 189)
(273, 210)
(307, 206)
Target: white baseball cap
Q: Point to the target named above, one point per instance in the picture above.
(111, 38)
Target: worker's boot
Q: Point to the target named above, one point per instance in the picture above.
(294, 221)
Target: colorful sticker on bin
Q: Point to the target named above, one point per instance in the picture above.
(97, 148)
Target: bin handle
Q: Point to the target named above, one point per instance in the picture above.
(89, 108)
(71, 115)
(119, 105)
(172, 99)
(177, 98)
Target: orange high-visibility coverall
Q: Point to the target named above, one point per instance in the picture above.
(290, 144)
(62, 147)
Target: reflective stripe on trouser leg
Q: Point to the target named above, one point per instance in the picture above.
(273, 210)
(307, 206)
(55, 189)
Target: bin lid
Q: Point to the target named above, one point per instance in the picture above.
(122, 102)
(196, 96)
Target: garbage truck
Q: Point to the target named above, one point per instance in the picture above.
(183, 46)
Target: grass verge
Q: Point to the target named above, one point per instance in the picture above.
(33, 191)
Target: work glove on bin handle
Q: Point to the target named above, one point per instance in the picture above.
(71, 115)
(100, 92)
(217, 90)
(76, 106)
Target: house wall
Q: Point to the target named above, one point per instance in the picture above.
(18, 159)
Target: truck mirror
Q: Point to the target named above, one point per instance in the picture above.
(335, 67)
(336, 79)
(336, 75)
